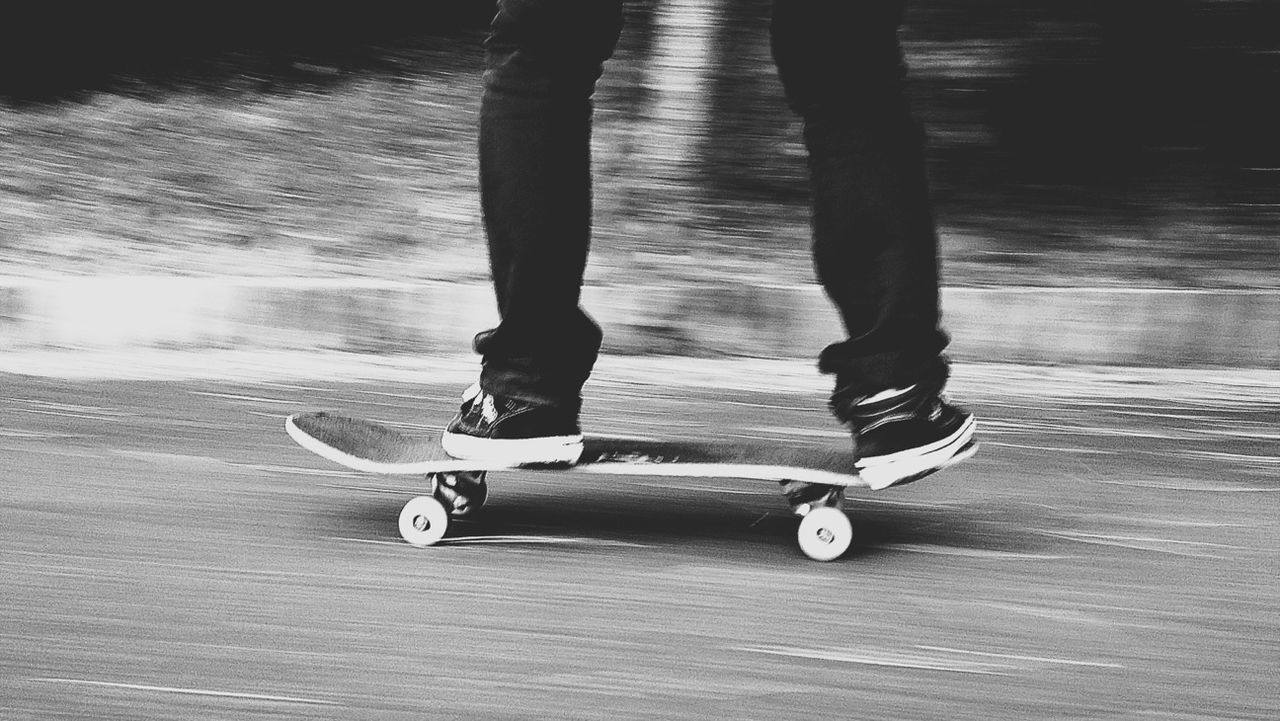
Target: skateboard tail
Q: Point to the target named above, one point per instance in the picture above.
(324, 450)
(375, 449)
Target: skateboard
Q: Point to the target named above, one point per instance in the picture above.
(813, 480)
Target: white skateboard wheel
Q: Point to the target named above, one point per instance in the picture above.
(825, 533)
(423, 521)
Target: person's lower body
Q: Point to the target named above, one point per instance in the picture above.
(874, 241)
(875, 245)
(543, 58)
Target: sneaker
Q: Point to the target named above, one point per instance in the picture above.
(904, 434)
(497, 428)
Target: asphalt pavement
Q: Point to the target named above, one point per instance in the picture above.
(169, 553)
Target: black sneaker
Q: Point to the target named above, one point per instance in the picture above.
(905, 434)
(508, 429)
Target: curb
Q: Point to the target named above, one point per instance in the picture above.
(1094, 326)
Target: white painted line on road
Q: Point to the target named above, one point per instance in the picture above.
(541, 539)
(21, 433)
(773, 431)
(770, 406)
(935, 549)
(1173, 434)
(88, 415)
(1204, 488)
(236, 397)
(405, 396)
(482, 540)
(1145, 539)
(931, 505)
(171, 459)
(1138, 544)
(1259, 434)
(896, 660)
(1163, 414)
(76, 408)
(299, 471)
(404, 491)
(1109, 519)
(1016, 657)
(1091, 451)
(296, 386)
(1219, 456)
(1179, 523)
(188, 691)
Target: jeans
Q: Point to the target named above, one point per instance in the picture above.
(874, 241)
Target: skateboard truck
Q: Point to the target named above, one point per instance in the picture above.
(462, 493)
(825, 531)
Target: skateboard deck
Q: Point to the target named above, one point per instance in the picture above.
(371, 447)
(814, 478)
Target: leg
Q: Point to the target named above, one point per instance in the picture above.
(543, 58)
(874, 242)
(875, 248)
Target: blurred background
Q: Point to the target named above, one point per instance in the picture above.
(1071, 143)
(213, 215)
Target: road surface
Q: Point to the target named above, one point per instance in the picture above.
(168, 553)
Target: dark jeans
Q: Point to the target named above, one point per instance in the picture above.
(875, 247)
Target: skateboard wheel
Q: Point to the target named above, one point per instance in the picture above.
(423, 521)
(825, 533)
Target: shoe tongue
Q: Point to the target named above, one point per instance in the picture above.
(490, 407)
(495, 406)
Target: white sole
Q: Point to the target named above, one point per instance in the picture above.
(889, 470)
(552, 449)
(958, 438)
